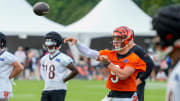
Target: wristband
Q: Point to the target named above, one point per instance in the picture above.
(107, 63)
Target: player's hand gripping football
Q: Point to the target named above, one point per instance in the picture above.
(70, 39)
(104, 59)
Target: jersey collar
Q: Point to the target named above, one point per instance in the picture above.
(2, 51)
(119, 56)
(52, 56)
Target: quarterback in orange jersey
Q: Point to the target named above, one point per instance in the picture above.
(122, 62)
(123, 71)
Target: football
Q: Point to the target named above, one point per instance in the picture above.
(41, 8)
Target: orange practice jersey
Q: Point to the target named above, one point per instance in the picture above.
(131, 60)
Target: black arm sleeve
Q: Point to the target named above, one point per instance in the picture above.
(147, 59)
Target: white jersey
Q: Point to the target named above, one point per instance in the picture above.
(53, 70)
(173, 90)
(6, 60)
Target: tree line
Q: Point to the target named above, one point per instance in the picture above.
(69, 11)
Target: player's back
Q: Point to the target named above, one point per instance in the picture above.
(6, 59)
(54, 70)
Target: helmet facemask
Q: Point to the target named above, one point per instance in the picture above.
(122, 37)
(53, 41)
(121, 41)
(118, 43)
(51, 45)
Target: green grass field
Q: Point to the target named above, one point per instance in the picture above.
(81, 90)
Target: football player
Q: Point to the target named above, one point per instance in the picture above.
(54, 68)
(124, 62)
(9, 68)
(166, 22)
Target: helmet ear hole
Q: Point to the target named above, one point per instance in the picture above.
(2, 44)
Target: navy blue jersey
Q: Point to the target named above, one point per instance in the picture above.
(138, 50)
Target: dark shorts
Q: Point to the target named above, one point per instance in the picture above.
(120, 94)
(54, 95)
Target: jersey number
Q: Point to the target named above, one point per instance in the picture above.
(116, 77)
(51, 73)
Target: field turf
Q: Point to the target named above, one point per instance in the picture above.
(81, 90)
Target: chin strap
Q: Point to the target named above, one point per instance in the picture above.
(51, 50)
(119, 48)
(54, 49)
